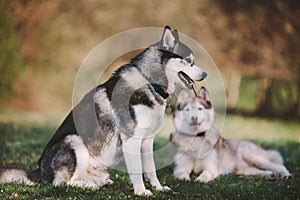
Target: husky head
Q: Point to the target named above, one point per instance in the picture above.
(179, 62)
(193, 115)
(169, 63)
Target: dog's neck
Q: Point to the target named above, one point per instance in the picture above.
(142, 64)
(155, 86)
(200, 134)
(159, 90)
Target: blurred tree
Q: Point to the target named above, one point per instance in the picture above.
(258, 39)
(11, 62)
(262, 38)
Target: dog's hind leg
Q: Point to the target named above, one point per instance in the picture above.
(61, 175)
(149, 165)
(57, 164)
(251, 170)
(263, 162)
(80, 177)
(63, 166)
(65, 161)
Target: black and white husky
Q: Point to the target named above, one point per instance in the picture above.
(201, 149)
(121, 115)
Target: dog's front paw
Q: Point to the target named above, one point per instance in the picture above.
(143, 193)
(109, 182)
(163, 188)
(204, 177)
(183, 176)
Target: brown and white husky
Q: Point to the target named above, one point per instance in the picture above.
(201, 149)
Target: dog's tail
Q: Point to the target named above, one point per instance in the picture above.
(19, 176)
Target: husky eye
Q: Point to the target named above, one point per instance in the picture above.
(199, 108)
(183, 61)
(189, 60)
(187, 109)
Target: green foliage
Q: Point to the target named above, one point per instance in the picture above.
(21, 146)
(247, 97)
(281, 98)
(11, 63)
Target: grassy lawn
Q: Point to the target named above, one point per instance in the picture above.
(21, 145)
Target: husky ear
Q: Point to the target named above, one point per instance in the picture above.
(169, 38)
(176, 36)
(181, 98)
(204, 95)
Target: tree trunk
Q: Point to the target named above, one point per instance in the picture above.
(233, 90)
(263, 84)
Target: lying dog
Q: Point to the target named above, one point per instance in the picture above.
(201, 149)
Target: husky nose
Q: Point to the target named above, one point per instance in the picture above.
(194, 119)
(204, 75)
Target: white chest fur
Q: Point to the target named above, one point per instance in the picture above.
(150, 119)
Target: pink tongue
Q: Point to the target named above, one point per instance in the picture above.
(194, 127)
(195, 89)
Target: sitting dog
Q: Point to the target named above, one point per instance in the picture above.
(201, 149)
(120, 116)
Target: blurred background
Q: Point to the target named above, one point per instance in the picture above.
(255, 45)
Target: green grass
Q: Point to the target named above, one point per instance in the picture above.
(271, 130)
(21, 146)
